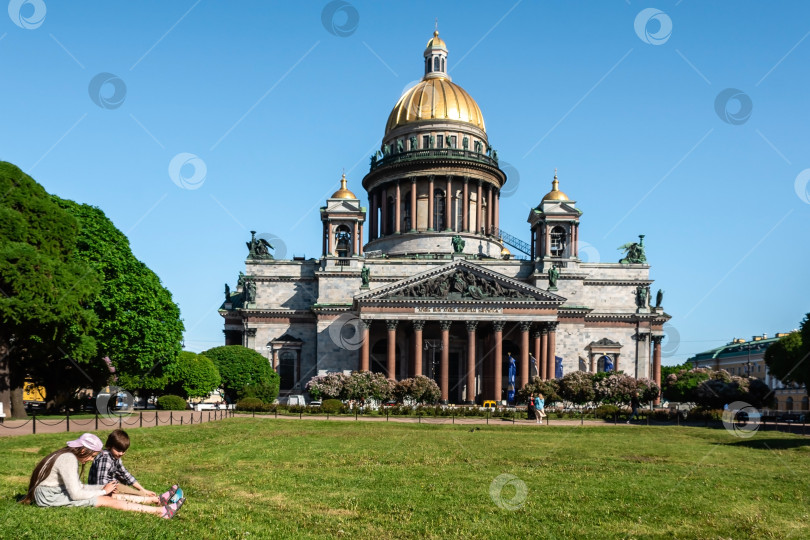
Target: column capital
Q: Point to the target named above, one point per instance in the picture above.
(466, 179)
(365, 323)
(657, 339)
(413, 179)
(445, 325)
(525, 326)
(498, 325)
(552, 326)
(537, 333)
(250, 332)
(391, 324)
(418, 325)
(471, 325)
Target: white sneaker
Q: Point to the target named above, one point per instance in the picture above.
(628, 421)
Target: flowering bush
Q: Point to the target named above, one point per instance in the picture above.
(647, 389)
(364, 385)
(329, 386)
(420, 389)
(577, 387)
(549, 389)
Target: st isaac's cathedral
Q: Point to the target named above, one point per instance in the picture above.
(434, 290)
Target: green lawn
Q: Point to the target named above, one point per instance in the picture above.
(267, 478)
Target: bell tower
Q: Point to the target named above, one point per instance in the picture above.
(555, 229)
(343, 219)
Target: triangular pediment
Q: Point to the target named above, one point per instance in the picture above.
(460, 281)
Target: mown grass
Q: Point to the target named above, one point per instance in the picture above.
(267, 478)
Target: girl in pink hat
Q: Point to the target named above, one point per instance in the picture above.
(56, 481)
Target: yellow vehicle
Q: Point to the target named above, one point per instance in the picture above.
(489, 404)
(33, 396)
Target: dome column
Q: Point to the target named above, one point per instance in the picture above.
(496, 202)
(413, 204)
(396, 209)
(479, 209)
(360, 240)
(490, 206)
(465, 206)
(448, 204)
(384, 212)
(430, 203)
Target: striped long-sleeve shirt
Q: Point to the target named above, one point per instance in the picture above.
(106, 468)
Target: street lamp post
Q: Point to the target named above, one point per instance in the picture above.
(433, 345)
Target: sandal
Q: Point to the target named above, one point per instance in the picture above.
(177, 496)
(167, 497)
(171, 509)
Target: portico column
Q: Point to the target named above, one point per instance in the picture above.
(657, 364)
(479, 209)
(392, 349)
(418, 326)
(497, 328)
(465, 206)
(537, 350)
(444, 367)
(364, 345)
(552, 346)
(471, 362)
(331, 238)
(396, 209)
(524, 353)
(430, 203)
(360, 239)
(544, 352)
(547, 239)
(413, 204)
(354, 239)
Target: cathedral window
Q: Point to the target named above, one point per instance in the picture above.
(452, 141)
(442, 64)
(436, 63)
(439, 141)
(425, 141)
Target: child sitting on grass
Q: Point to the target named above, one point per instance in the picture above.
(56, 481)
(107, 467)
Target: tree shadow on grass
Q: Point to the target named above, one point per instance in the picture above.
(771, 444)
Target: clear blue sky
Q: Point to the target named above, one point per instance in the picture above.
(275, 105)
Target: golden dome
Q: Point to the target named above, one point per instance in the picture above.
(505, 253)
(555, 194)
(343, 192)
(435, 99)
(436, 42)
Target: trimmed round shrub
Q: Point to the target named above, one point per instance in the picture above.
(171, 403)
(250, 404)
(331, 406)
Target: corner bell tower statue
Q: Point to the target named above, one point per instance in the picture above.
(435, 177)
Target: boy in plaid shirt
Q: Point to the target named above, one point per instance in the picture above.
(107, 467)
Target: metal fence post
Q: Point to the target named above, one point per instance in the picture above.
(181, 419)
(141, 419)
(34, 421)
(192, 418)
(67, 418)
(119, 421)
(171, 419)
(96, 421)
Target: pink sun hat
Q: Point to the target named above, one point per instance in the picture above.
(89, 441)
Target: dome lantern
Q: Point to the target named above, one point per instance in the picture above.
(555, 194)
(343, 192)
(436, 57)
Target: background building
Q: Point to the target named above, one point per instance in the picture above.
(434, 290)
(747, 359)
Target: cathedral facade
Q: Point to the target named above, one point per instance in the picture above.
(422, 282)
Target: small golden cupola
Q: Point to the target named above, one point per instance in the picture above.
(343, 192)
(555, 194)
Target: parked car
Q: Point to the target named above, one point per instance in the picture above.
(296, 399)
(316, 403)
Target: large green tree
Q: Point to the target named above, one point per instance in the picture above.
(139, 326)
(244, 369)
(45, 291)
(789, 358)
(194, 376)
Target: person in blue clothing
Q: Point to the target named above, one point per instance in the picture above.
(539, 408)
